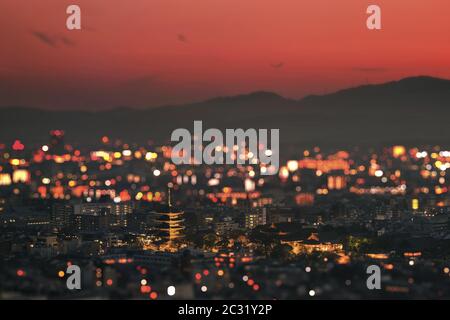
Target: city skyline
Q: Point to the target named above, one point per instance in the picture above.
(228, 231)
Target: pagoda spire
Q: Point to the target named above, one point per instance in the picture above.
(169, 199)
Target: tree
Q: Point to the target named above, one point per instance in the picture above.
(357, 244)
(210, 240)
(281, 252)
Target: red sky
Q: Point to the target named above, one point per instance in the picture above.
(151, 52)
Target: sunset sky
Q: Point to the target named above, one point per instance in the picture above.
(144, 53)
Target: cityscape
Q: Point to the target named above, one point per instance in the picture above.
(141, 227)
(224, 158)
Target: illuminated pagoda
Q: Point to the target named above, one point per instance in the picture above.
(169, 226)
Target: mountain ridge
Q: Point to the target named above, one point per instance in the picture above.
(252, 94)
(409, 110)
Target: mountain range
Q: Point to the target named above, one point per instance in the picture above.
(412, 111)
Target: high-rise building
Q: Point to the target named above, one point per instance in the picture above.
(225, 225)
(2, 205)
(256, 218)
(118, 213)
(62, 215)
(92, 221)
(277, 214)
(336, 182)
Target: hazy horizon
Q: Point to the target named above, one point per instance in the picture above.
(206, 99)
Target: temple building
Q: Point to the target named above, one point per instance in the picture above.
(304, 240)
(169, 226)
(313, 244)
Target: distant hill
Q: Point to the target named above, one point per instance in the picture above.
(411, 111)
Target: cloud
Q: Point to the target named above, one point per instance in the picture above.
(181, 37)
(67, 41)
(52, 40)
(277, 65)
(45, 38)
